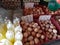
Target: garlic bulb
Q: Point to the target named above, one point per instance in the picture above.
(18, 36)
(16, 21)
(1, 43)
(18, 43)
(10, 35)
(6, 42)
(10, 26)
(1, 36)
(6, 20)
(18, 28)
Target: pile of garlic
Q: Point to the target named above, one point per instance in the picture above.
(13, 35)
(18, 32)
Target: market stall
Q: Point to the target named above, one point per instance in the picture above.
(37, 23)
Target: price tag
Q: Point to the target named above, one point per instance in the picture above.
(29, 5)
(24, 18)
(28, 18)
(45, 17)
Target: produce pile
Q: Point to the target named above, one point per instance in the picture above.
(11, 33)
(38, 33)
(57, 18)
(39, 10)
(27, 32)
(49, 30)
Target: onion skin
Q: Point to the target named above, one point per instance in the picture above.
(36, 29)
(32, 42)
(29, 29)
(38, 35)
(25, 34)
(33, 34)
(30, 38)
(36, 40)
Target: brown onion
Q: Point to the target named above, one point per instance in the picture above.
(29, 29)
(33, 33)
(25, 40)
(58, 36)
(38, 35)
(31, 42)
(50, 36)
(25, 34)
(22, 23)
(27, 43)
(36, 29)
(40, 31)
(30, 38)
(42, 37)
(36, 40)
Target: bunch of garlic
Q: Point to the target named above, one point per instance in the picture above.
(18, 32)
(1, 37)
(18, 36)
(5, 42)
(18, 29)
(13, 34)
(10, 35)
(16, 21)
(18, 43)
(10, 26)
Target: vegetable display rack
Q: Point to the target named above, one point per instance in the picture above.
(11, 4)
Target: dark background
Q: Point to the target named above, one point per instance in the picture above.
(42, 2)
